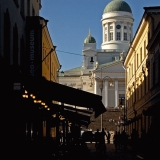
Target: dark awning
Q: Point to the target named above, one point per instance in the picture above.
(77, 118)
(64, 94)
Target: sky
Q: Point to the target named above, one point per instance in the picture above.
(70, 21)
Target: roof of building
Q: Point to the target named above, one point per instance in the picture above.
(117, 5)
(108, 64)
(73, 70)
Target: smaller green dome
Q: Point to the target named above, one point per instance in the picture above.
(90, 39)
(117, 5)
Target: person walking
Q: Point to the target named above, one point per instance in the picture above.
(108, 137)
(116, 140)
(102, 140)
(97, 140)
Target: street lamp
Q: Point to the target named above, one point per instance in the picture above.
(101, 85)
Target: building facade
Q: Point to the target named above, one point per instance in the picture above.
(26, 52)
(102, 67)
(143, 75)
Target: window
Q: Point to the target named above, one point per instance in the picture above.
(141, 55)
(148, 36)
(137, 61)
(118, 26)
(111, 36)
(144, 48)
(132, 70)
(105, 28)
(125, 27)
(125, 36)
(111, 27)
(118, 36)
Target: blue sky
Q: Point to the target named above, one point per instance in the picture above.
(70, 20)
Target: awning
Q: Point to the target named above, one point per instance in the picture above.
(77, 116)
(54, 91)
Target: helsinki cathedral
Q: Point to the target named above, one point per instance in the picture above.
(102, 71)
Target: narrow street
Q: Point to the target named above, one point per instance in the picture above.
(111, 154)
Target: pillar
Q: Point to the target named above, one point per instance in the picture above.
(106, 93)
(116, 93)
(114, 31)
(95, 87)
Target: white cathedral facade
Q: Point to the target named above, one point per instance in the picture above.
(102, 70)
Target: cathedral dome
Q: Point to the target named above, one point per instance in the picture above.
(117, 5)
(89, 39)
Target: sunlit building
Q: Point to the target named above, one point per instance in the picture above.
(102, 72)
(143, 74)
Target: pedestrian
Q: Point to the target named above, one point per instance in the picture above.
(102, 140)
(108, 137)
(116, 140)
(134, 140)
(97, 139)
(124, 139)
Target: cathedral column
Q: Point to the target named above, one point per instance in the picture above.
(116, 93)
(106, 93)
(128, 37)
(103, 33)
(114, 31)
(108, 32)
(95, 87)
(122, 31)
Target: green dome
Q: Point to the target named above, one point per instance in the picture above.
(90, 39)
(117, 5)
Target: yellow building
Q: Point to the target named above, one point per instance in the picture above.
(42, 60)
(143, 73)
(50, 64)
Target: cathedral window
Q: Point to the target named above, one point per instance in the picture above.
(125, 36)
(118, 36)
(111, 36)
(111, 27)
